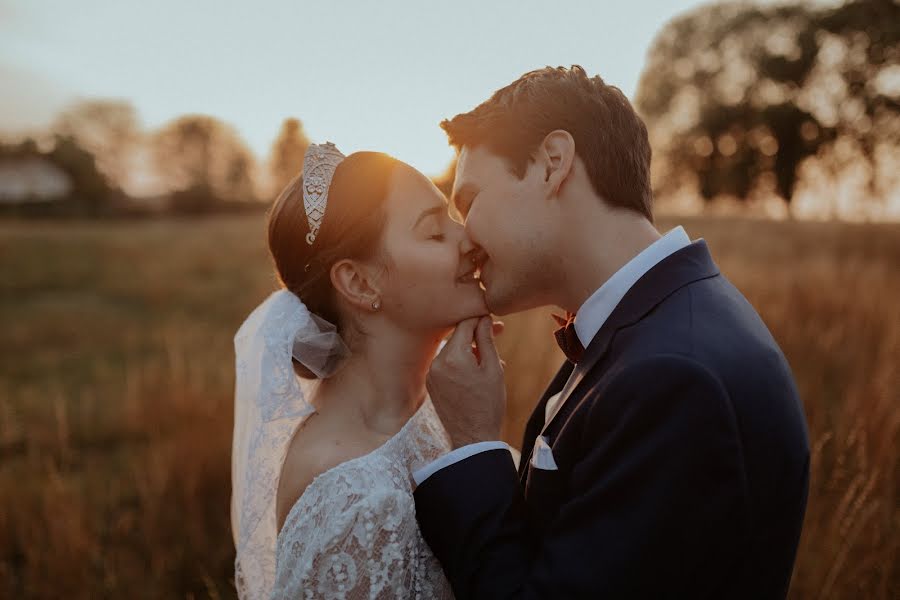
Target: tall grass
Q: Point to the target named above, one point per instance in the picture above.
(116, 383)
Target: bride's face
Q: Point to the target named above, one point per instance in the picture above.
(430, 283)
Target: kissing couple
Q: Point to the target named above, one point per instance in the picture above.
(668, 458)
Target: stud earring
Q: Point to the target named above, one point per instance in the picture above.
(376, 304)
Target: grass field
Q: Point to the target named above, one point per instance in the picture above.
(116, 383)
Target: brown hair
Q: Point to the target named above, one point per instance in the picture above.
(352, 227)
(610, 138)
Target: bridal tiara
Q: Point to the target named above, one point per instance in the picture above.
(319, 165)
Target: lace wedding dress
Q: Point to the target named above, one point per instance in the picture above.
(353, 533)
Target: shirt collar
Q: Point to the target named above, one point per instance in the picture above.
(600, 305)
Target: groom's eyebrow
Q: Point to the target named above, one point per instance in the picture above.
(434, 210)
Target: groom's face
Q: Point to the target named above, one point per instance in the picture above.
(511, 221)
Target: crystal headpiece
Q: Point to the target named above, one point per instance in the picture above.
(319, 164)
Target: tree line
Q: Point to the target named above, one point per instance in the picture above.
(739, 99)
(742, 99)
(193, 164)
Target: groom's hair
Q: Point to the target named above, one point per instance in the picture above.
(610, 138)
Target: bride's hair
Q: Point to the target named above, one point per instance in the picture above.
(354, 221)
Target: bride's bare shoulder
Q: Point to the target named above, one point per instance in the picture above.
(322, 443)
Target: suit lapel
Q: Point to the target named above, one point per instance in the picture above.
(679, 269)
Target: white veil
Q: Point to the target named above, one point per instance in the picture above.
(270, 402)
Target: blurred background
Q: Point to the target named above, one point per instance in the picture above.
(141, 144)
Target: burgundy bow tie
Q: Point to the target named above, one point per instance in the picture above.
(567, 338)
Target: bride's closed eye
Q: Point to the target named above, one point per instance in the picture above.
(433, 218)
(438, 219)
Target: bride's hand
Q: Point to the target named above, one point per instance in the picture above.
(466, 386)
(497, 327)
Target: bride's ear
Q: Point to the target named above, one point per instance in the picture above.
(557, 157)
(354, 284)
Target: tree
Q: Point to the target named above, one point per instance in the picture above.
(740, 96)
(108, 129)
(201, 153)
(90, 192)
(286, 160)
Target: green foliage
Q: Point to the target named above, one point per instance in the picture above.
(740, 95)
(108, 129)
(195, 152)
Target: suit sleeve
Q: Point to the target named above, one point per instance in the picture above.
(657, 493)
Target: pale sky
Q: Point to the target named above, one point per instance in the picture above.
(376, 75)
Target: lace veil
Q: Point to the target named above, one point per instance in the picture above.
(270, 402)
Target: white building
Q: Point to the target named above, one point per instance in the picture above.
(32, 179)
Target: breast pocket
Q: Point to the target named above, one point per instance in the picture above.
(545, 491)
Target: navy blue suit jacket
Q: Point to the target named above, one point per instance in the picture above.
(682, 455)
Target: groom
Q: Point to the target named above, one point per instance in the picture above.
(669, 457)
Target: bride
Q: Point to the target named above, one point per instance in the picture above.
(331, 411)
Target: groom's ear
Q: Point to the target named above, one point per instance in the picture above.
(556, 156)
(353, 283)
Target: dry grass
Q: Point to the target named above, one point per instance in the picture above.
(115, 396)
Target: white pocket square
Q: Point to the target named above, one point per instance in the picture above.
(542, 455)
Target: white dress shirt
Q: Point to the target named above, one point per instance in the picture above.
(588, 321)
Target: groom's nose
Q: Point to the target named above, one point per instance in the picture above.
(466, 246)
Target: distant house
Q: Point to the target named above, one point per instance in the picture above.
(32, 179)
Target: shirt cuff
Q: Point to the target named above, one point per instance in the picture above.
(453, 457)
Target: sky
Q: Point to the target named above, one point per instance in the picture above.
(376, 75)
